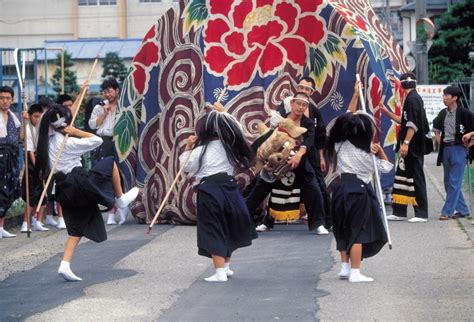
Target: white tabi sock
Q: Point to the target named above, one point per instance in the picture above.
(65, 272)
(219, 276)
(357, 277)
(345, 271)
(61, 223)
(50, 220)
(127, 198)
(5, 234)
(228, 271)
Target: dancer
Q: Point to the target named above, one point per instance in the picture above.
(310, 188)
(223, 221)
(358, 226)
(79, 192)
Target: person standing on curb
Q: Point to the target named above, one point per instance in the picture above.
(450, 125)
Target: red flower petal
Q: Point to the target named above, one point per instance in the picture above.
(295, 50)
(287, 13)
(147, 55)
(241, 72)
(220, 6)
(150, 34)
(311, 29)
(375, 92)
(309, 5)
(139, 78)
(214, 30)
(261, 34)
(240, 13)
(272, 58)
(217, 59)
(235, 43)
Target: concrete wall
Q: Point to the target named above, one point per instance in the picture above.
(28, 23)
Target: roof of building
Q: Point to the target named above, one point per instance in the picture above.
(90, 48)
(431, 5)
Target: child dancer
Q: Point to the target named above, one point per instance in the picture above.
(79, 192)
(223, 220)
(358, 226)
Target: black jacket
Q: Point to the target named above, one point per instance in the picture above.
(414, 112)
(464, 124)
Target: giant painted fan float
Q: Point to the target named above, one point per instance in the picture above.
(255, 50)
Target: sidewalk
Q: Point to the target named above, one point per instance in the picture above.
(434, 175)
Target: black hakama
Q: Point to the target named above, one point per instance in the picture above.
(80, 193)
(356, 216)
(223, 221)
(9, 166)
(9, 176)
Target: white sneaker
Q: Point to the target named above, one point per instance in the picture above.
(417, 219)
(395, 218)
(61, 223)
(5, 234)
(38, 226)
(24, 227)
(321, 230)
(262, 227)
(123, 213)
(111, 219)
(65, 272)
(127, 198)
(229, 272)
(49, 220)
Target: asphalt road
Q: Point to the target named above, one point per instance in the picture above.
(288, 274)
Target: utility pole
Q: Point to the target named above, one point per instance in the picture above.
(421, 46)
(387, 16)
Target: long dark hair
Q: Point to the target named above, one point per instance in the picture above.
(226, 128)
(358, 128)
(52, 115)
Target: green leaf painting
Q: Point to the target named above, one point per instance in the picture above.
(195, 14)
(125, 133)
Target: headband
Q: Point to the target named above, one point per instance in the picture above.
(409, 79)
(304, 99)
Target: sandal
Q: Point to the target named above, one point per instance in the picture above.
(443, 217)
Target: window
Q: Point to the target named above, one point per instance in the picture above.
(149, 1)
(95, 2)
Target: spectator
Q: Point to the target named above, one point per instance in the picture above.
(450, 125)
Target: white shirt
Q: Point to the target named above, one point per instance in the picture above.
(107, 127)
(31, 138)
(351, 159)
(73, 150)
(214, 160)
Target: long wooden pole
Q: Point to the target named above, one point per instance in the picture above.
(378, 185)
(21, 78)
(81, 98)
(181, 170)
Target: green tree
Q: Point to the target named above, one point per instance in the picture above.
(449, 54)
(70, 78)
(113, 66)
